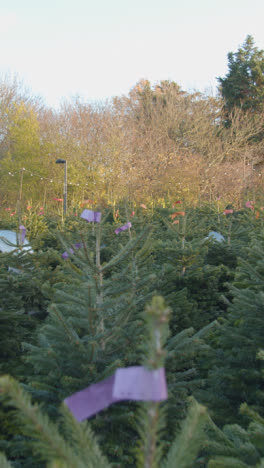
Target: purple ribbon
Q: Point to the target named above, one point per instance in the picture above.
(79, 245)
(91, 216)
(123, 228)
(131, 383)
(22, 233)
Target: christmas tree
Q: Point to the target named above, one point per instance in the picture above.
(235, 374)
(71, 444)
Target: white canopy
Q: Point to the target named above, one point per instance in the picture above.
(216, 236)
(11, 237)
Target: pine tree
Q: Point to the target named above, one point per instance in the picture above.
(93, 326)
(16, 326)
(23, 306)
(74, 445)
(235, 445)
(244, 83)
(93, 323)
(191, 284)
(235, 374)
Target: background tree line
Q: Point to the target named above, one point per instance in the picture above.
(158, 141)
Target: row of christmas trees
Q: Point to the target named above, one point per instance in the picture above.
(66, 324)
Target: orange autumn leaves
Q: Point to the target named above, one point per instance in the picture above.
(248, 204)
(177, 213)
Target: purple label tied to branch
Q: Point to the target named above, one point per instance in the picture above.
(91, 400)
(22, 233)
(91, 216)
(132, 383)
(66, 255)
(79, 245)
(123, 228)
(140, 384)
(97, 216)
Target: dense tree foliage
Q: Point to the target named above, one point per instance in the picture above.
(79, 319)
(243, 86)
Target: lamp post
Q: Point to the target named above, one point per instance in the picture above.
(63, 161)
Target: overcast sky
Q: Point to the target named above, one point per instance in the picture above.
(100, 48)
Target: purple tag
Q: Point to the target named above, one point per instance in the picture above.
(97, 216)
(92, 399)
(132, 383)
(123, 228)
(139, 383)
(79, 245)
(91, 216)
(66, 255)
(22, 233)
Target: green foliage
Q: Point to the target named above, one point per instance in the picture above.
(4, 463)
(89, 323)
(152, 421)
(93, 325)
(236, 373)
(243, 85)
(79, 448)
(184, 450)
(190, 278)
(22, 308)
(235, 446)
(48, 444)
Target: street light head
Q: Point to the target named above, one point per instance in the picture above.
(61, 161)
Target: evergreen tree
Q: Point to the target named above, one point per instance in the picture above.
(16, 326)
(23, 306)
(191, 283)
(235, 374)
(235, 445)
(93, 323)
(243, 85)
(94, 326)
(74, 445)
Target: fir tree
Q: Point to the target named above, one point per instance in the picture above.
(16, 326)
(236, 445)
(235, 374)
(93, 324)
(243, 85)
(191, 284)
(79, 448)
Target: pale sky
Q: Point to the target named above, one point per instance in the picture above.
(101, 48)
